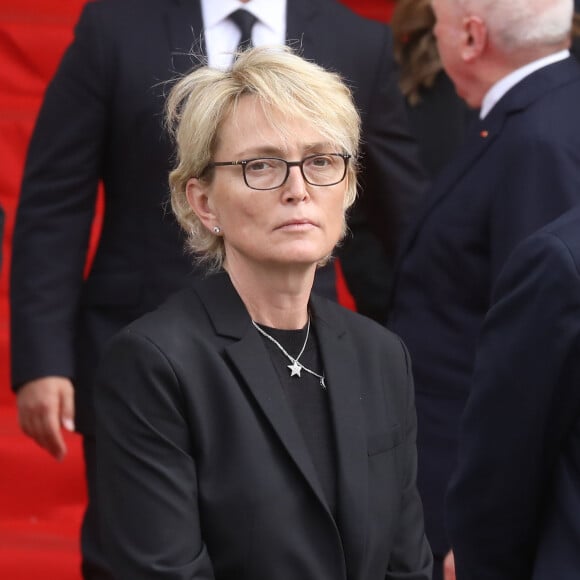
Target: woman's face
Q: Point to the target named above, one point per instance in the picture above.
(295, 225)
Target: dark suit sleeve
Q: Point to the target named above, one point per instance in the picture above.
(56, 208)
(538, 184)
(392, 181)
(411, 556)
(521, 402)
(146, 471)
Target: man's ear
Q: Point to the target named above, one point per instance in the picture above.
(199, 201)
(475, 38)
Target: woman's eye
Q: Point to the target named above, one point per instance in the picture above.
(258, 165)
(321, 161)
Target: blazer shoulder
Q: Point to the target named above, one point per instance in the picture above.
(126, 15)
(343, 13)
(552, 90)
(350, 25)
(134, 6)
(364, 331)
(560, 236)
(180, 317)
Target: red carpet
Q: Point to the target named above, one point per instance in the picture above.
(41, 505)
(41, 501)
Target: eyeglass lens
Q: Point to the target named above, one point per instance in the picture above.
(270, 173)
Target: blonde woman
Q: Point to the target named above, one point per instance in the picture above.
(249, 429)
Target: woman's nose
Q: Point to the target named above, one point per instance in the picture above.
(295, 186)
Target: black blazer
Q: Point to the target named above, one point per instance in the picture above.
(102, 119)
(514, 503)
(202, 469)
(517, 170)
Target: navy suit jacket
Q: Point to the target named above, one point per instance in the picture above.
(203, 471)
(518, 169)
(102, 119)
(514, 502)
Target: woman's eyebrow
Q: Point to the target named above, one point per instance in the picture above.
(271, 151)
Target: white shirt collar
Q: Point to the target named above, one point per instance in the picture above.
(501, 87)
(271, 13)
(222, 35)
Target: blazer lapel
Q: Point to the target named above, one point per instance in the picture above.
(185, 31)
(345, 381)
(250, 356)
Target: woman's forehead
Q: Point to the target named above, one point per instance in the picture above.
(265, 129)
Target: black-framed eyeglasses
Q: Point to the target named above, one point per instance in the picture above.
(262, 173)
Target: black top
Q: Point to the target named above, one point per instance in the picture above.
(308, 401)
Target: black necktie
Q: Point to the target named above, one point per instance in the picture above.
(245, 21)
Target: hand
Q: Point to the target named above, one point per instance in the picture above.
(449, 566)
(45, 406)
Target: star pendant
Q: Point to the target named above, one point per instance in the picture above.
(295, 368)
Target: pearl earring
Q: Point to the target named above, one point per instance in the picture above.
(216, 230)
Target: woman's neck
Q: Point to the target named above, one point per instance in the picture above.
(277, 298)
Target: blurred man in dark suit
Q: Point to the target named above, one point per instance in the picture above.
(514, 502)
(102, 120)
(518, 169)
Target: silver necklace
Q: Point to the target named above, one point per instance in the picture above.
(296, 367)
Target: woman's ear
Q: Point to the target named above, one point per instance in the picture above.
(198, 198)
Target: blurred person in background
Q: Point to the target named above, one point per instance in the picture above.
(513, 502)
(575, 49)
(518, 169)
(438, 116)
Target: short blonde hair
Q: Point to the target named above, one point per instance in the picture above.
(282, 82)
